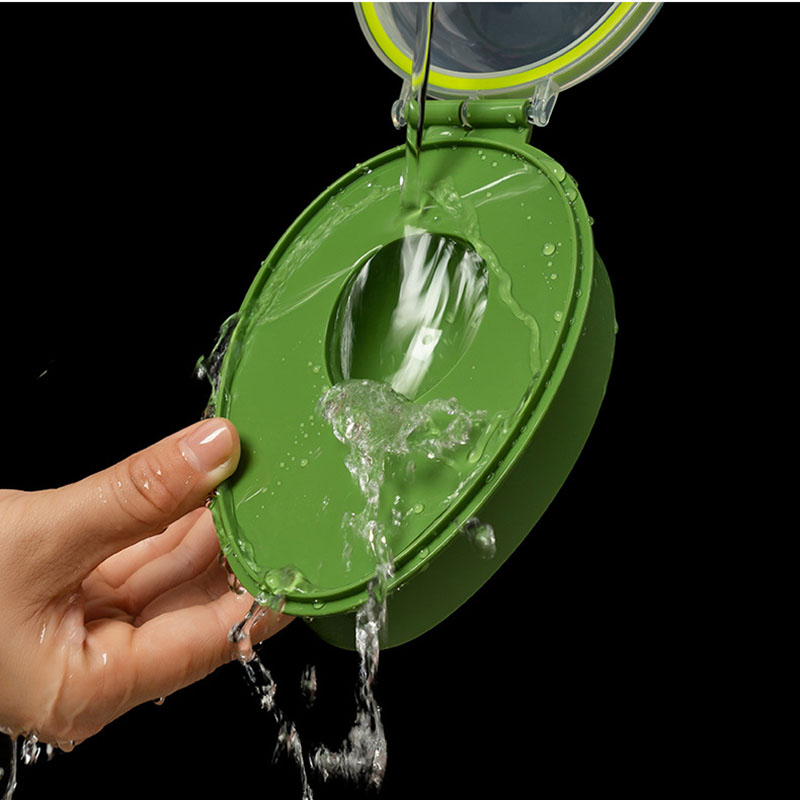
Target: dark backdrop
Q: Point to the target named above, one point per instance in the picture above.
(152, 156)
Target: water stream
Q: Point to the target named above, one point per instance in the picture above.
(411, 182)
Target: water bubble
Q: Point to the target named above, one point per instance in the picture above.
(482, 537)
(548, 248)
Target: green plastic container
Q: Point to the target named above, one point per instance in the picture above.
(536, 363)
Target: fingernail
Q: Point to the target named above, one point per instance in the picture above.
(208, 446)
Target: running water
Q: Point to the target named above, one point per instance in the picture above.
(411, 184)
(11, 778)
(378, 425)
(264, 686)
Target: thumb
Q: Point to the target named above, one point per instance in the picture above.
(104, 513)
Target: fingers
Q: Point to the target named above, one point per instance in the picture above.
(118, 568)
(176, 559)
(94, 518)
(188, 575)
(177, 648)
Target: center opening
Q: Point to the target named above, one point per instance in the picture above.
(409, 313)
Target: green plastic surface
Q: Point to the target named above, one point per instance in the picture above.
(279, 517)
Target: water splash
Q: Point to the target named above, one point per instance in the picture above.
(209, 367)
(377, 424)
(31, 749)
(362, 756)
(11, 779)
(308, 685)
(265, 688)
(29, 753)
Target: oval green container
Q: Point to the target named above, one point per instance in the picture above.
(536, 365)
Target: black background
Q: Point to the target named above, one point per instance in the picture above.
(153, 155)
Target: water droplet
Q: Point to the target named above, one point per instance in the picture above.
(318, 604)
(418, 508)
(303, 462)
(482, 537)
(549, 248)
(494, 163)
(558, 316)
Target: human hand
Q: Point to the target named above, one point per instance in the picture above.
(102, 606)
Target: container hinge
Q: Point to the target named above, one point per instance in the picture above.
(543, 99)
(485, 112)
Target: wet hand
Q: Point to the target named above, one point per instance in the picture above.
(111, 593)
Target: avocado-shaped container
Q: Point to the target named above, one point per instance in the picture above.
(489, 306)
